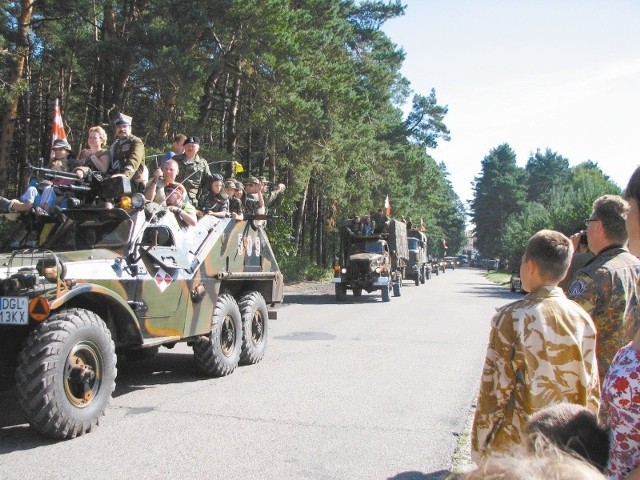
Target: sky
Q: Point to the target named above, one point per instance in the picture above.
(536, 74)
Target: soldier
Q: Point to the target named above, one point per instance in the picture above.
(127, 155)
(541, 352)
(253, 199)
(605, 286)
(235, 205)
(270, 197)
(215, 202)
(194, 170)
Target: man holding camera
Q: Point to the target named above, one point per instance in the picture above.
(606, 286)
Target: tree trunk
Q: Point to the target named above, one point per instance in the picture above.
(10, 114)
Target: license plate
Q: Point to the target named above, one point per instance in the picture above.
(14, 310)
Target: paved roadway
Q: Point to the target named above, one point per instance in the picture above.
(362, 389)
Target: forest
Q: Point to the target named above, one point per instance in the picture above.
(305, 92)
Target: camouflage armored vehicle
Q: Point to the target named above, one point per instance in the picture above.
(80, 286)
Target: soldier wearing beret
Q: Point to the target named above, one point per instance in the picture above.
(194, 170)
(127, 154)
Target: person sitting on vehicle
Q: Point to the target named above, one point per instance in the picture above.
(215, 202)
(356, 227)
(95, 158)
(39, 196)
(253, 199)
(235, 205)
(161, 177)
(176, 202)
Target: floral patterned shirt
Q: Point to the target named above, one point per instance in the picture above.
(542, 351)
(621, 396)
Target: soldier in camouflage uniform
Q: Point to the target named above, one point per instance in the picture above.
(194, 170)
(235, 205)
(253, 199)
(541, 352)
(605, 286)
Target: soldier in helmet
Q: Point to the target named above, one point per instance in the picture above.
(215, 202)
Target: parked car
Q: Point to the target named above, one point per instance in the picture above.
(516, 282)
(493, 264)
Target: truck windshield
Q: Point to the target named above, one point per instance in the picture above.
(413, 243)
(367, 247)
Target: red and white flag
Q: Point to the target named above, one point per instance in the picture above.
(387, 206)
(57, 130)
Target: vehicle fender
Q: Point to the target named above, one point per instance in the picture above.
(116, 312)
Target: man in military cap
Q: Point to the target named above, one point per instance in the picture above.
(606, 286)
(235, 205)
(270, 196)
(127, 154)
(194, 170)
(253, 200)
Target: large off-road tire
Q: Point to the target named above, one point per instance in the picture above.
(218, 354)
(417, 279)
(357, 292)
(255, 328)
(385, 293)
(66, 374)
(341, 292)
(427, 272)
(397, 286)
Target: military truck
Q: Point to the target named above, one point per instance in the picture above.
(81, 287)
(371, 261)
(417, 269)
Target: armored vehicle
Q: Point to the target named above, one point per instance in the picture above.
(81, 287)
(417, 269)
(371, 260)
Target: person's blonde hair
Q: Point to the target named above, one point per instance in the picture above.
(101, 133)
(547, 464)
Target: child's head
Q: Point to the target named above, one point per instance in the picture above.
(572, 428)
(551, 251)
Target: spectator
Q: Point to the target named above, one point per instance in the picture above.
(581, 256)
(177, 148)
(161, 177)
(194, 170)
(605, 287)
(127, 155)
(176, 202)
(621, 387)
(550, 464)
(572, 428)
(541, 351)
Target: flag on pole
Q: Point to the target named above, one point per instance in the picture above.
(238, 168)
(57, 130)
(387, 206)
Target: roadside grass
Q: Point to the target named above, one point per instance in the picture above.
(500, 278)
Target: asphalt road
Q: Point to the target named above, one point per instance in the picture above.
(360, 389)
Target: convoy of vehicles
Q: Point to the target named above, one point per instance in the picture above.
(81, 286)
(418, 269)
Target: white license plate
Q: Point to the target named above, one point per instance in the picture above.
(14, 310)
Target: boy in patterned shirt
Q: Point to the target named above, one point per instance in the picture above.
(541, 352)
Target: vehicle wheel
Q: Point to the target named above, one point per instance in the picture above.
(397, 286)
(141, 353)
(417, 279)
(255, 328)
(357, 292)
(218, 355)
(423, 275)
(513, 289)
(385, 293)
(341, 292)
(66, 374)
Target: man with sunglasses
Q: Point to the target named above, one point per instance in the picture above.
(605, 286)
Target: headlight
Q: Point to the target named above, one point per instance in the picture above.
(138, 201)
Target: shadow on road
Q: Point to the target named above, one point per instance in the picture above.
(328, 299)
(439, 475)
(164, 368)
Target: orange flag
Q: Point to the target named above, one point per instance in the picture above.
(387, 206)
